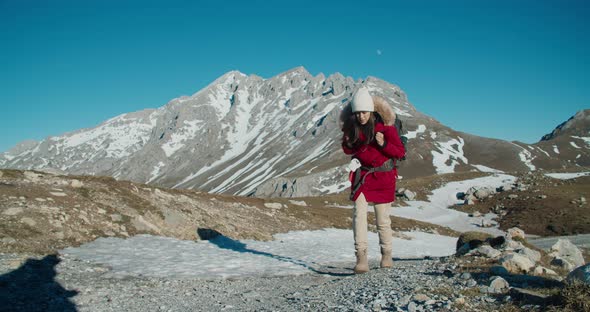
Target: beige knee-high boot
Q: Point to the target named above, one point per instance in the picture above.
(383, 222)
(359, 228)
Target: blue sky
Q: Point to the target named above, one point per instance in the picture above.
(504, 69)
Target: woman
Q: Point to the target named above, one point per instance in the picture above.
(371, 139)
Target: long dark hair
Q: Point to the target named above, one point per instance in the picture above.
(353, 129)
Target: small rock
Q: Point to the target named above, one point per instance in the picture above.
(486, 251)
(409, 195)
(412, 307)
(28, 221)
(273, 205)
(540, 271)
(498, 285)
(76, 184)
(512, 196)
(515, 232)
(421, 298)
(475, 214)
(534, 255)
(516, 264)
(8, 240)
(471, 283)
(465, 275)
(58, 194)
(116, 217)
(12, 211)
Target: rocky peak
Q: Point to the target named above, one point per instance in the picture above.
(577, 125)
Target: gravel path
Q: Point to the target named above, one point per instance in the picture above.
(60, 283)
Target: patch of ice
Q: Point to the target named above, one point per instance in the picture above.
(567, 176)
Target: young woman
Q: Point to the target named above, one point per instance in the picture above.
(368, 135)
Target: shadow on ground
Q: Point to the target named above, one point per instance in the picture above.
(32, 287)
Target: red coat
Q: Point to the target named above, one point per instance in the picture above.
(379, 187)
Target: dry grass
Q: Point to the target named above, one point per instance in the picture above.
(573, 297)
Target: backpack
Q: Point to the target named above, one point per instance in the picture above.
(400, 131)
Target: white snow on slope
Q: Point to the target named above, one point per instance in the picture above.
(435, 209)
(413, 134)
(574, 145)
(156, 171)
(567, 176)
(585, 139)
(555, 149)
(125, 136)
(449, 151)
(543, 151)
(483, 168)
(222, 257)
(184, 133)
(526, 157)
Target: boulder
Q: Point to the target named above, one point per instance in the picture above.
(581, 274)
(513, 245)
(483, 193)
(273, 205)
(534, 255)
(562, 263)
(409, 195)
(474, 239)
(541, 271)
(515, 232)
(498, 285)
(76, 183)
(486, 251)
(516, 264)
(565, 250)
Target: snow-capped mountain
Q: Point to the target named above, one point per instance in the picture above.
(246, 135)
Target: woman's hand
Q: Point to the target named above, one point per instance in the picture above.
(379, 138)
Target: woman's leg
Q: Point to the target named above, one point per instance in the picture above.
(383, 222)
(359, 228)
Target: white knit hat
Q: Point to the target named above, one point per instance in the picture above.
(362, 101)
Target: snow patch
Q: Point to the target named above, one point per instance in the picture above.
(483, 168)
(183, 134)
(567, 176)
(413, 134)
(585, 139)
(448, 153)
(222, 257)
(436, 211)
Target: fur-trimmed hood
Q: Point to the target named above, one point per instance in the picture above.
(381, 107)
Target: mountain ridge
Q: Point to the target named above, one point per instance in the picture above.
(246, 135)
